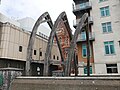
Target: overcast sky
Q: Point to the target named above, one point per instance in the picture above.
(34, 8)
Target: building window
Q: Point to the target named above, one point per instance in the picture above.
(83, 35)
(84, 50)
(53, 56)
(105, 11)
(40, 53)
(57, 58)
(109, 47)
(119, 42)
(111, 68)
(107, 27)
(34, 52)
(20, 48)
(83, 5)
(102, 0)
(85, 70)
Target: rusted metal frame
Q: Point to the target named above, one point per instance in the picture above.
(73, 43)
(31, 42)
(50, 43)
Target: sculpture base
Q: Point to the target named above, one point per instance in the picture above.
(66, 83)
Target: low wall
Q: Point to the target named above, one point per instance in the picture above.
(66, 83)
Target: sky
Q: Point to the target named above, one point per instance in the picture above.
(17, 9)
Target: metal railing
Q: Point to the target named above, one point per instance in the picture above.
(82, 6)
(90, 20)
(82, 36)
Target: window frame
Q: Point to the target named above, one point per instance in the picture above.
(40, 53)
(105, 11)
(35, 52)
(85, 70)
(106, 27)
(57, 57)
(20, 48)
(54, 57)
(109, 45)
(102, 0)
(86, 50)
(111, 68)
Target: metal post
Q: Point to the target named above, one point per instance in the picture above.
(88, 49)
(73, 43)
(75, 65)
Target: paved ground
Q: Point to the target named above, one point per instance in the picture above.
(66, 83)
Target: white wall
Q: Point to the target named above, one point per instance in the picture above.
(100, 69)
(13, 37)
(100, 58)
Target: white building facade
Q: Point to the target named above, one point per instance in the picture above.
(106, 27)
(106, 48)
(14, 43)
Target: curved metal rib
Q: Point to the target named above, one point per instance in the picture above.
(50, 23)
(73, 43)
(40, 20)
(31, 41)
(62, 16)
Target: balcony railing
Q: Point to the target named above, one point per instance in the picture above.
(82, 6)
(82, 36)
(75, 22)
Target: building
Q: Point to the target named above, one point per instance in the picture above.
(64, 34)
(13, 48)
(27, 23)
(104, 22)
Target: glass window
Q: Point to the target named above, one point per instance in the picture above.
(107, 27)
(85, 70)
(111, 68)
(40, 53)
(53, 56)
(57, 57)
(20, 48)
(82, 5)
(102, 0)
(34, 52)
(105, 11)
(109, 47)
(84, 50)
(83, 35)
(1, 79)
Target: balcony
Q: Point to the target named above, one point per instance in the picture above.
(82, 37)
(75, 0)
(82, 6)
(75, 22)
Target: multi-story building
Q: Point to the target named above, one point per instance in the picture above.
(13, 48)
(104, 24)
